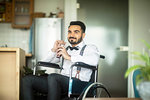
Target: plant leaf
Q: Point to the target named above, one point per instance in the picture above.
(147, 45)
(141, 57)
(144, 69)
(147, 59)
(132, 69)
(139, 78)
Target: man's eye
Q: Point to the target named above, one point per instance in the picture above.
(76, 31)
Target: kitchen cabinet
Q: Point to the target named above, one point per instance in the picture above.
(22, 13)
(5, 11)
(12, 61)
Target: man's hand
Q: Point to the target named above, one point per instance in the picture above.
(61, 51)
(57, 44)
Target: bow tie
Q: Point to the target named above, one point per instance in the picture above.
(73, 48)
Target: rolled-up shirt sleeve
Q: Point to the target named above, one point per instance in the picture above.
(51, 57)
(90, 56)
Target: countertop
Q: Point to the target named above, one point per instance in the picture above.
(14, 49)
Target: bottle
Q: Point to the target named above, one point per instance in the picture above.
(3, 19)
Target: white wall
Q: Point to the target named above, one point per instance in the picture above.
(48, 6)
(68, 6)
(13, 37)
(139, 28)
(70, 15)
(20, 38)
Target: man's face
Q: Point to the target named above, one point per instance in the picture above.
(75, 35)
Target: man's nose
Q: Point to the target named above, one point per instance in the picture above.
(72, 34)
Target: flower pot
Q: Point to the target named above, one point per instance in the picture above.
(144, 90)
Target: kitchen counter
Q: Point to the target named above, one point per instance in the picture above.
(14, 49)
(28, 55)
(9, 49)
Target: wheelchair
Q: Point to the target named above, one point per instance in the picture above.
(88, 89)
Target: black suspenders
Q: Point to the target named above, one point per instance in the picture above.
(81, 53)
(82, 50)
(79, 68)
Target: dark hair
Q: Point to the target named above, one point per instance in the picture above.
(81, 24)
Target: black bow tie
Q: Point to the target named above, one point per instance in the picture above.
(73, 48)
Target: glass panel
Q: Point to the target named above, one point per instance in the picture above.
(107, 28)
(22, 20)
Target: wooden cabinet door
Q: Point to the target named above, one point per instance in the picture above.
(22, 13)
(12, 61)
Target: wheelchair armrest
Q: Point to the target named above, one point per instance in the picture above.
(102, 56)
(84, 65)
(47, 64)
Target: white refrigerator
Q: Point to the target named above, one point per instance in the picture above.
(46, 32)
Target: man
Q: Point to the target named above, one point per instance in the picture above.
(57, 84)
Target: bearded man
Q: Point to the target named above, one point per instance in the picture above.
(57, 84)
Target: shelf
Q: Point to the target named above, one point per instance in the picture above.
(22, 0)
(1, 12)
(4, 21)
(22, 14)
(2, 8)
(2, 3)
(5, 12)
(21, 26)
(29, 55)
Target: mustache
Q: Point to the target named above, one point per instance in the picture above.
(72, 38)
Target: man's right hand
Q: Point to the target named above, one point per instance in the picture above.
(57, 44)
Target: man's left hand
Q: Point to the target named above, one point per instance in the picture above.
(63, 52)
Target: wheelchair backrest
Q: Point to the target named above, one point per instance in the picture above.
(93, 76)
(92, 79)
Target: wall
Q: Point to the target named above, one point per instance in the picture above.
(139, 28)
(70, 15)
(20, 38)
(13, 37)
(48, 6)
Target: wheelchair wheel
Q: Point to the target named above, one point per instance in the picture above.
(98, 90)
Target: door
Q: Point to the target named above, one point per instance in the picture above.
(107, 28)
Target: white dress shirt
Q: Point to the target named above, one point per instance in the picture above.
(90, 56)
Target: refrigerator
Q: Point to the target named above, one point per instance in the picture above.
(46, 32)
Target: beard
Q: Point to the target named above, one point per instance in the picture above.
(74, 42)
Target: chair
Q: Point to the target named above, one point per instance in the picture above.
(135, 73)
(73, 92)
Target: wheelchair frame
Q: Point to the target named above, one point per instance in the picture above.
(77, 64)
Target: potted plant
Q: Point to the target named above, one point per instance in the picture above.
(29, 71)
(143, 78)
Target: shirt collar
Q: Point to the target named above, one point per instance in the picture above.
(80, 45)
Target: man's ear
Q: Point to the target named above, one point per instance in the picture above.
(83, 35)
